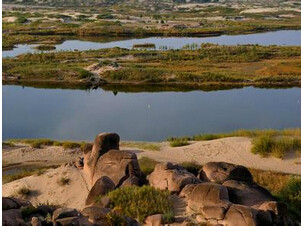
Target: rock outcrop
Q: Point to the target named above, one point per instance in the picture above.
(171, 177)
(220, 172)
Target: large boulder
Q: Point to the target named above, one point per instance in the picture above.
(171, 177)
(102, 144)
(96, 215)
(154, 220)
(13, 203)
(209, 199)
(61, 213)
(102, 186)
(219, 172)
(240, 215)
(246, 193)
(119, 166)
(12, 217)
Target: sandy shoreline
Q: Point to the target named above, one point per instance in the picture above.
(233, 150)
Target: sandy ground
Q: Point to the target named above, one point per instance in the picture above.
(46, 188)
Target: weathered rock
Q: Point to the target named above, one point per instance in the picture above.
(240, 215)
(35, 221)
(102, 144)
(68, 221)
(95, 213)
(131, 181)
(246, 193)
(64, 213)
(118, 166)
(277, 210)
(102, 186)
(154, 220)
(13, 203)
(103, 202)
(171, 177)
(12, 217)
(187, 190)
(219, 172)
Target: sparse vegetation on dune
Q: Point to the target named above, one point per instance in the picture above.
(141, 145)
(140, 202)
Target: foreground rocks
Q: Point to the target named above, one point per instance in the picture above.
(221, 193)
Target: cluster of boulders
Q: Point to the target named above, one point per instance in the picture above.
(221, 193)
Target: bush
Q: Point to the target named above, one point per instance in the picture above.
(147, 165)
(63, 181)
(140, 202)
(24, 191)
(178, 143)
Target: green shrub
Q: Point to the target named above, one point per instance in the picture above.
(192, 167)
(147, 165)
(140, 202)
(178, 143)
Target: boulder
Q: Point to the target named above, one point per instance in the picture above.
(102, 186)
(79, 162)
(209, 199)
(219, 172)
(119, 166)
(278, 212)
(68, 221)
(187, 190)
(35, 221)
(61, 213)
(12, 217)
(246, 193)
(240, 215)
(102, 144)
(95, 214)
(154, 220)
(171, 177)
(13, 203)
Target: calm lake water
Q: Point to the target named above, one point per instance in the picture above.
(80, 115)
(285, 37)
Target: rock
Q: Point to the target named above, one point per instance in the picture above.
(209, 199)
(171, 177)
(95, 213)
(12, 217)
(64, 213)
(246, 193)
(45, 209)
(102, 186)
(13, 203)
(240, 215)
(154, 220)
(219, 172)
(131, 181)
(103, 202)
(119, 166)
(102, 144)
(68, 221)
(277, 210)
(35, 221)
(79, 162)
(187, 190)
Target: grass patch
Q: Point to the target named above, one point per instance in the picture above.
(267, 145)
(147, 165)
(45, 47)
(63, 181)
(142, 145)
(8, 144)
(140, 202)
(178, 142)
(24, 191)
(191, 167)
(6, 178)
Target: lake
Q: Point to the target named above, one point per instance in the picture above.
(285, 37)
(145, 116)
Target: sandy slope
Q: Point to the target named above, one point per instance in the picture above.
(235, 150)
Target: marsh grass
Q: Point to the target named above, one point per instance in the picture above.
(141, 145)
(45, 47)
(140, 202)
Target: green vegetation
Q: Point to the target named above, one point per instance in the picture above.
(141, 145)
(24, 172)
(144, 46)
(23, 192)
(178, 142)
(206, 65)
(39, 143)
(267, 145)
(140, 202)
(285, 187)
(45, 47)
(63, 181)
(8, 144)
(147, 165)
